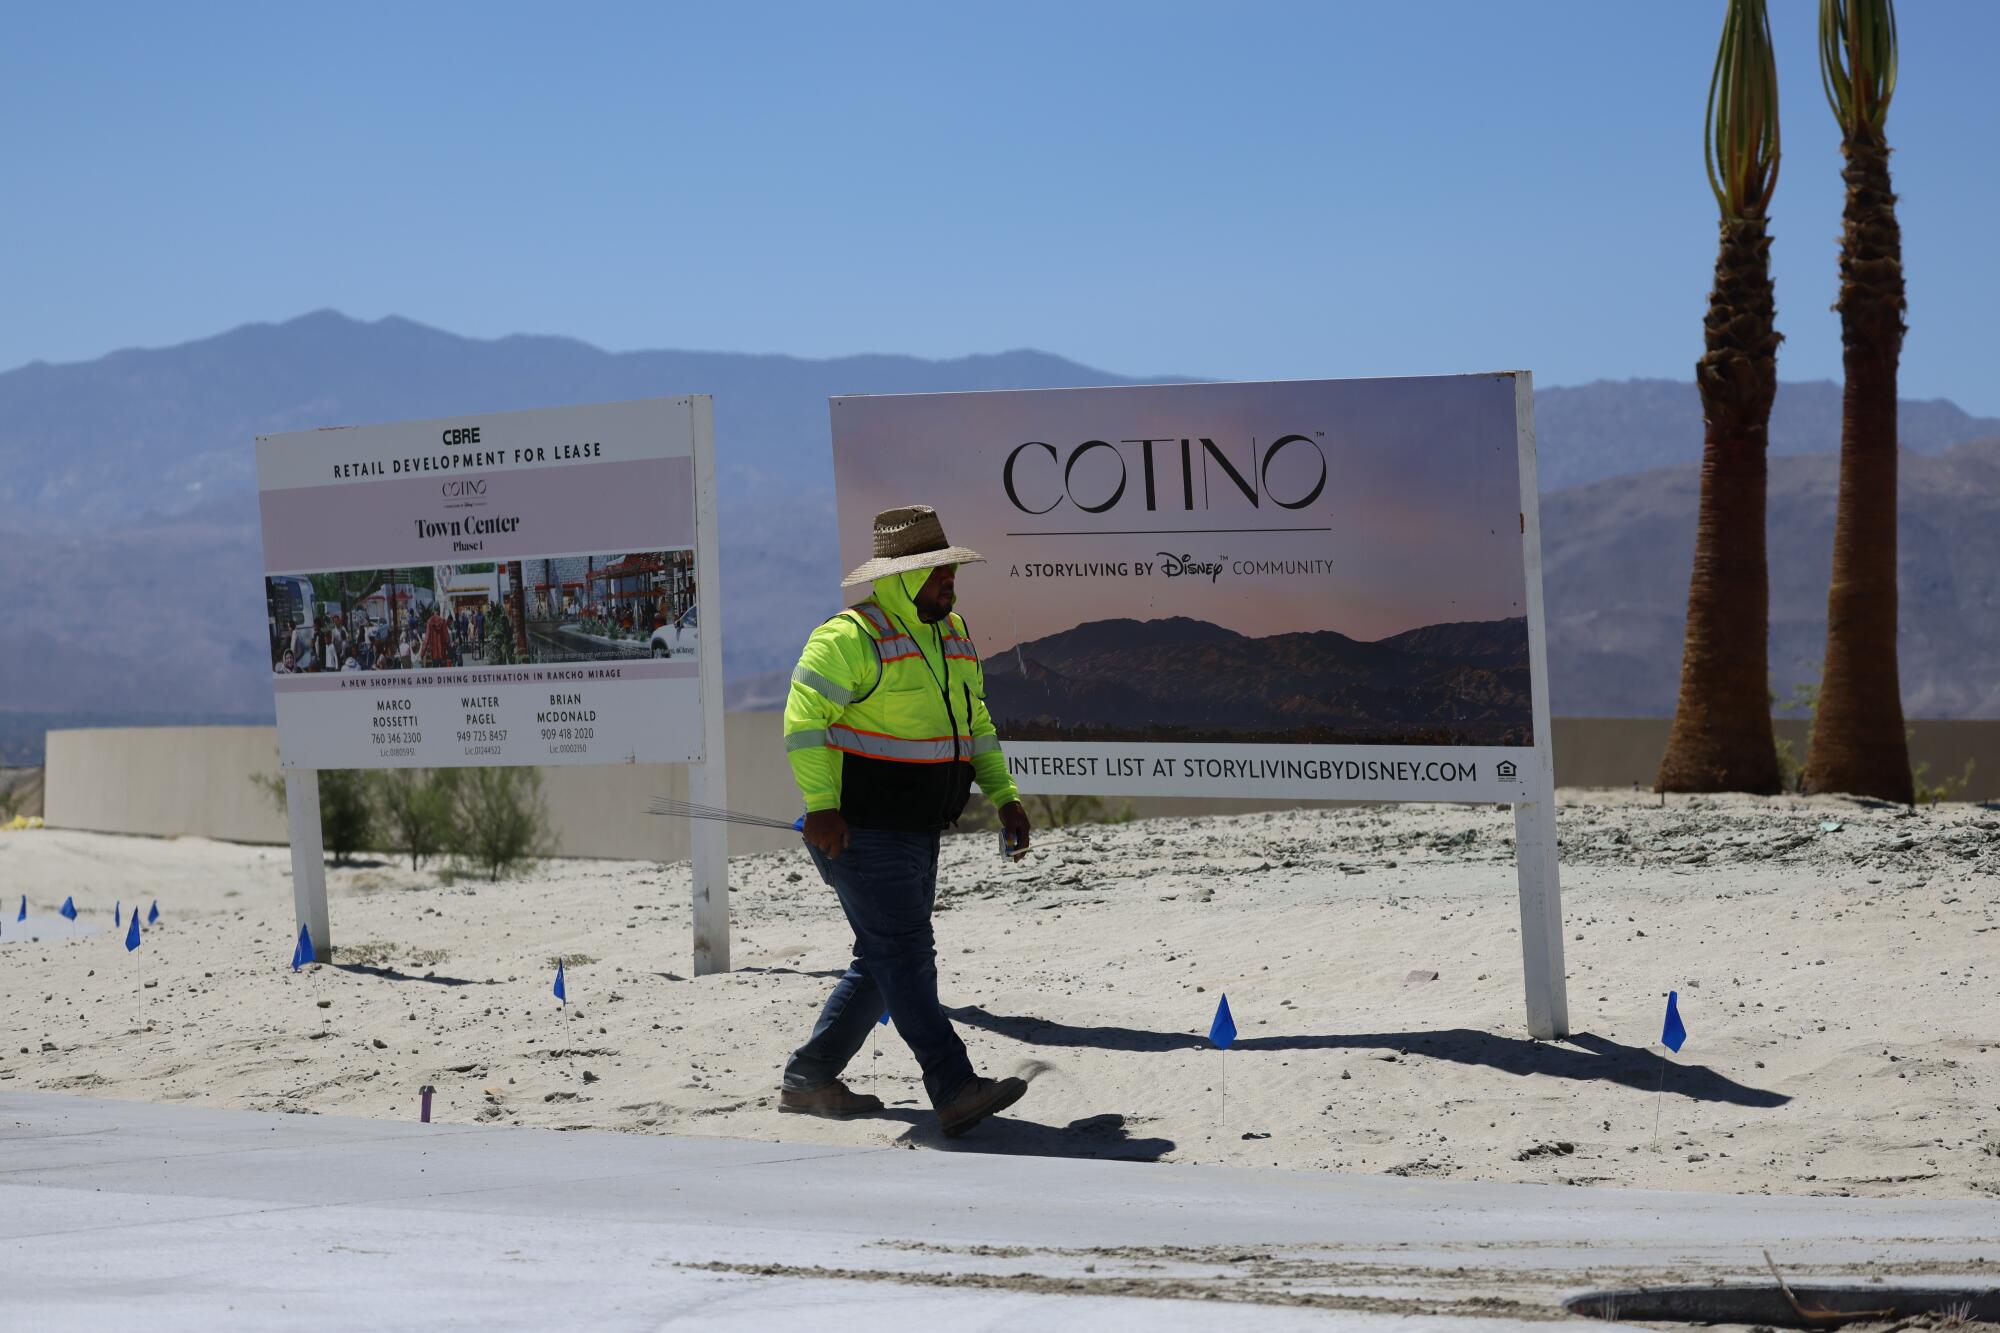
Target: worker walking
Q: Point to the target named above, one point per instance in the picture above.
(886, 728)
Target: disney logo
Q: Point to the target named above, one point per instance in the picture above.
(1177, 566)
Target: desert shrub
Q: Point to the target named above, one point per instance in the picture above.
(346, 821)
(1944, 789)
(414, 808)
(1804, 698)
(1068, 811)
(500, 821)
(346, 818)
(1046, 812)
(273, 787)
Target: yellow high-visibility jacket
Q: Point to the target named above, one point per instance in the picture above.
(886, 720)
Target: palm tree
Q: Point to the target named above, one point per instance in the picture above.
(1858, 744)
(1721, 738)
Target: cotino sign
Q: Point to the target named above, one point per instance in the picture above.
(1305, 589)
(1322, 589)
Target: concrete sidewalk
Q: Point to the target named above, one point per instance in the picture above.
(171, 1217)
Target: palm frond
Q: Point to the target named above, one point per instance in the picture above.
(1740, 138)
(1857, 61)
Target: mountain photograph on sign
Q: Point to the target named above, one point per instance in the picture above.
(1186, 680)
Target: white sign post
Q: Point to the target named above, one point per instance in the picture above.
(708, 781)
(1308, 589)
(1536, 864)
(308, 859)
(498, 589)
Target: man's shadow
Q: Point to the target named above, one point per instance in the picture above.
(1582, 1055)
(1101, 1137)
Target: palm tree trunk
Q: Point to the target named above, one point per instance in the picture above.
(1721, 738)
(1858, 744)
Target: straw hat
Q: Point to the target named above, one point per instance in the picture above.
(907, 538)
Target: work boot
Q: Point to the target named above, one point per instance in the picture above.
(977, 1100)
(829, 1099)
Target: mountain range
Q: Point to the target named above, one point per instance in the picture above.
(1616, 556)
(168, 431)
(1188, 680)
(128, 509)
(1615, 427)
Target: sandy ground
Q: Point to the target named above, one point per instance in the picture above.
(1838, 984)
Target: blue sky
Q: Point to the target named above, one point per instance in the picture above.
(1245, 190)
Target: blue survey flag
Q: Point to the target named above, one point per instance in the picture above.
(561, 991)
(302, 952)
(153, 913)
(799, 824)
(22, 915)
(68, 908)
(1223, 1030)
(132, 934)
(1675, 1032)
(884, 1019)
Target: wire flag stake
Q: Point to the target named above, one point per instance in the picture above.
(691, 810)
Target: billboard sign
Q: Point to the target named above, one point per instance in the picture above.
(1314, 589)
(493, 588)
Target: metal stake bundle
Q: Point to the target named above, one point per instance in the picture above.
(691, 810)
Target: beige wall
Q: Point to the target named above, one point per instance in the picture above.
(163, 780)
(1947, 746)
(1625, 751)
(197, 780)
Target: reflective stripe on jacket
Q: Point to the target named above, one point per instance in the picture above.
(886, 719)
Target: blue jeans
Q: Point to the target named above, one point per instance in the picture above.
(887, 884)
